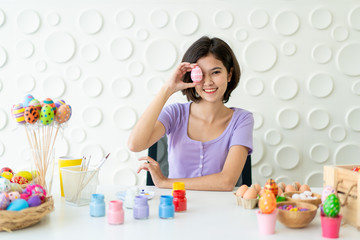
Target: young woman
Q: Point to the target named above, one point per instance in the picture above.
(207, 142)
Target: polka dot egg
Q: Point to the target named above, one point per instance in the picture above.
(63, 114)
(331, 206)
(267, 202)
(46, 115)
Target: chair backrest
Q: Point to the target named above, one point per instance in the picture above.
(158, 152)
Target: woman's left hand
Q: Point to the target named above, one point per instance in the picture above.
(155, 171)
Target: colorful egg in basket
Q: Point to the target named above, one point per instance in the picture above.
(296, 218)
(14, 220)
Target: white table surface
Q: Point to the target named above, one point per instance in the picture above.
(210, 215)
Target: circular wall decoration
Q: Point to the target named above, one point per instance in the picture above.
(288, 118)
(337, 133)
(286, 23)
(60, 47)
(348, 58)
(321, 18)
(161, 54)
(319, 153)
(91, 21)
(287, 157)
(125, 19)
(352, 119)
(260, 55)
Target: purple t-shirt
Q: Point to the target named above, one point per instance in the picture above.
(189, 158)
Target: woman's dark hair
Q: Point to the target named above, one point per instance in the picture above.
(221, 51)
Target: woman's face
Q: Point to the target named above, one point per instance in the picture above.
(215, 79)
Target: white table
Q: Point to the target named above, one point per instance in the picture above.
(210, 215)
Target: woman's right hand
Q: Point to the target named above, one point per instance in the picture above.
(154, 168)
(175, 82)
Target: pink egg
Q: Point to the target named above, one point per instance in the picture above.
(196, 74)
(326, 192)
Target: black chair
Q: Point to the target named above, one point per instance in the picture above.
(158, 152)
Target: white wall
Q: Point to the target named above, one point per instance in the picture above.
(300, 64)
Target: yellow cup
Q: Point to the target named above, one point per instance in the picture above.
(67, 161)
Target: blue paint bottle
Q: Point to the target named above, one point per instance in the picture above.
(97, 205)
(166, 207)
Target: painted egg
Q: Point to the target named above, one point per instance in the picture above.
(63, 114)
(267, 202)
(36, 104)
(27, 100)
(31, 114)
(34, 201)
(18, 205)
(4, 185)
(17, 112)
(7, 175)
(50, 102)
(19, 180)
(271, 186)
(25, 174)
(196, 74)
(58, 103)
(70, 112)
(326, 192)
(13, 196)
(6, 169)
(4, 200)
(36, 189)
(331, 206)
(46, 115)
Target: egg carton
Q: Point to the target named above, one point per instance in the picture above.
(246, 203)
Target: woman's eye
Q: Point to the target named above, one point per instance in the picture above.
(216, 72)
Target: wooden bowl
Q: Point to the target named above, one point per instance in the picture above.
(315, 202)
(296, 219)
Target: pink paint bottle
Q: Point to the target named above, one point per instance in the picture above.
(115, 213)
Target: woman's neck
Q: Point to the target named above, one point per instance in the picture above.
(209, 112)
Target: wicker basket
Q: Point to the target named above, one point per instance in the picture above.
(15, 220)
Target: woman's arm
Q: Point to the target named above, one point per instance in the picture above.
(222, 181)
(148, 129)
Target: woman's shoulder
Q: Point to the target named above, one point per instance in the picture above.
(241, 114)
(178, 107)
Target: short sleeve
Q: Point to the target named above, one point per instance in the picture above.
(243, 131)
(170, 116)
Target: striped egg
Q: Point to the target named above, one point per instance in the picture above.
(17, 112)
(46, 115)
(27, 100)
(196, 74)
(31, 114)
(58, 103)
(36, 104)
(50, 102)
(63, 114)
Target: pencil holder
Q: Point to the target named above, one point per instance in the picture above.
(79, 184)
